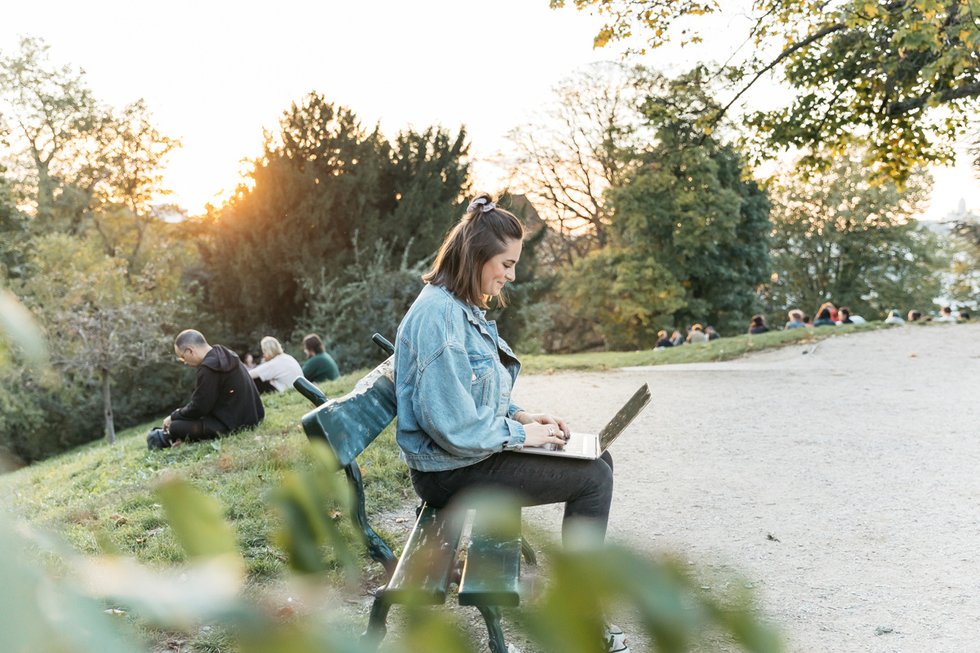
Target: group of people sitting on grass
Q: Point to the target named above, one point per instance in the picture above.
(827, 315)
(945, 315)
(697, 333)
(226, 392)
(278, 370)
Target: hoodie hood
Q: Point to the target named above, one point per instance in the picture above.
(220, 359)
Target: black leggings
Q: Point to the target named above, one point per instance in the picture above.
(189, 430)
(264, 387)
(584, 486)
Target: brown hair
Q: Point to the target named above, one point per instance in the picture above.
(313, 343)
(480, 235)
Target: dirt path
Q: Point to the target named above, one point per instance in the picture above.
(859, 456)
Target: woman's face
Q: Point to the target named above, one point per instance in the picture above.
(500, 269)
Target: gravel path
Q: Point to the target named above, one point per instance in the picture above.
(839, 480)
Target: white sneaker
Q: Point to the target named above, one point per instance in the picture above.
(616, 639)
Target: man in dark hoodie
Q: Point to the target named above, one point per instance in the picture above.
(224, 399)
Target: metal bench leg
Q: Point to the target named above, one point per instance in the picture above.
(528, 552)
(378, 622)
(491, 615)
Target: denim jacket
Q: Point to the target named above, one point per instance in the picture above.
(453, 381)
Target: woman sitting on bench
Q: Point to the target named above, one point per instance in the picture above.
(457, 425)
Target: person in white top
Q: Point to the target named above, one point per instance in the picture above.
(894, 318)
(278, 369)
(945, 315)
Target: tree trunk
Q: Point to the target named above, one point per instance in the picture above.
(110, 427)
(45, 192)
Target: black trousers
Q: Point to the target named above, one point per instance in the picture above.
(584, 486)
(264, 387)
(189, 430)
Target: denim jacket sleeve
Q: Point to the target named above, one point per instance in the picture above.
(448, 411)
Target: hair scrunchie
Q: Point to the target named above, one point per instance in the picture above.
(481, 203)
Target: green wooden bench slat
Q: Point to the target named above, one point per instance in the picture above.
(426, 565)
(493, 563)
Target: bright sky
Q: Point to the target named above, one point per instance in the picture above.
(216, 73)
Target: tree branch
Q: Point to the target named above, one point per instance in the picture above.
(899, 108)
(816, 36)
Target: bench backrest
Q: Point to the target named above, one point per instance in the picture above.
(351, 423)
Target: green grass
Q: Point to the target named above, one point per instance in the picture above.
(717, 350)
(99, 497)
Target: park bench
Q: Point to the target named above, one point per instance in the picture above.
(428, 565)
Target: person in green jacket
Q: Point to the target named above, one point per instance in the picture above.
(319, 365)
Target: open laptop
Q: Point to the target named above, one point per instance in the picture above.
(591, 446)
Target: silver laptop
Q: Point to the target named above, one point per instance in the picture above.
(591, 446)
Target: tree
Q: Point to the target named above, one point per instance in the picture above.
(78, 161)
(692, 211)
(370, 297)
(583, 146)
(838, 236)
(49, 110)
(902, 75)
(96, 323)
(13, 231)
(425, 184)
(626, 292)
(131, 154)
(963, 282)
(322, 183)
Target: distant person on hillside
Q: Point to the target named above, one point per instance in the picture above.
(248, 361)
(963, 316)
(829, 306)
(278, 369)
(914, 315)
(945, 315)
(224, 399)
(846, 317)
(758, 325)
(711, 333)
(894, 317)
(824, 319)
(319, 365)
(696, 334)
(676, 338)
(662, 340)
(795, 319)
(807, 321)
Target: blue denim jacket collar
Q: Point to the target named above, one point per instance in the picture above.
(478, 317)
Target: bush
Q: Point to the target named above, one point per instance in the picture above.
(372, 296)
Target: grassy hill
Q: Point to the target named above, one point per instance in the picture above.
(100, 497)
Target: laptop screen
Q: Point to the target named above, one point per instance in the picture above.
(623, 418)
